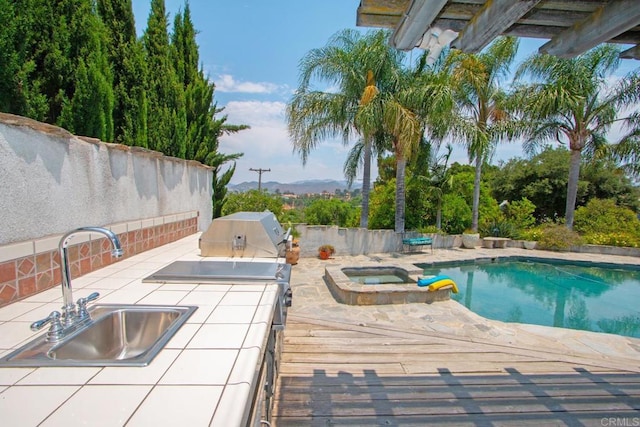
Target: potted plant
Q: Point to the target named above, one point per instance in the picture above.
(325, 251)
(529, 238)
(293, 253)
(470, 238)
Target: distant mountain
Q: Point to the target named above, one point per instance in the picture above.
(317, 186)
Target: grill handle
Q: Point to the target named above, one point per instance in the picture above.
(285, 239)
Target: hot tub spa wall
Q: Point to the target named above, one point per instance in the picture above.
(53, 182)
(347, 292)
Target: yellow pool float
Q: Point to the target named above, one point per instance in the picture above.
(442, 284)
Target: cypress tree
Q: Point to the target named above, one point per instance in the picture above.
(40, 50)
(203, 130)
(89, 112)
(126, 58)
(185, 48)
(86, 94)
(58, 51)
(217, 161)
(20, 84)
(9, 65)
(220, 181)
(198, 91)
(166, 112)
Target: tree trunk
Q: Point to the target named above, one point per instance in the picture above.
(558, 311)
(400, 194)
(476, 194)
(439, 215)
(366, 186)
(572, 187)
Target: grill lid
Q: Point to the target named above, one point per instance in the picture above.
(245, 234)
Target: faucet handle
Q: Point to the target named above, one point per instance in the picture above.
(82, 305)
(91, 297)
(37, 325)
(55, 331)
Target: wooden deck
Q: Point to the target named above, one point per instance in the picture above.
(335, 373)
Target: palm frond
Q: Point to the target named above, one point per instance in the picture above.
(354, 161)
(627, 151)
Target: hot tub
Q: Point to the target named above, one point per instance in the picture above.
(404, 290)
(378, 275)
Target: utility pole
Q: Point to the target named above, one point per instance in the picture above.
(259, 170)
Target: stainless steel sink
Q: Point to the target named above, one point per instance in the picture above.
(116, 335)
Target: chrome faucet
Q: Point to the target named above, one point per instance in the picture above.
(69, 308)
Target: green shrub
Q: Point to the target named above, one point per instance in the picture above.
(532, 234)
(498, 229)
(489, 211)
(253, 201)
(329, 212)
(456, 214)
(622, 239)
(382, 202)
(520, 213)
(430, 229)
(557, 237)
(294, 232)
(604, 216)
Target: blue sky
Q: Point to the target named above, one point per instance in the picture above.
(251, 50)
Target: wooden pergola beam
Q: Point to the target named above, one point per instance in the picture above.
(493, 19)
(633, 53)
(604, 24)
(416, 21)
(380, 14)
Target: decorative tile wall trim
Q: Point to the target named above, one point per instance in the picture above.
(27, 268)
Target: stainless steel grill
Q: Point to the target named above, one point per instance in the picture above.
(245, 234)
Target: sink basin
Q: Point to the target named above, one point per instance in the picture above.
(116, 335)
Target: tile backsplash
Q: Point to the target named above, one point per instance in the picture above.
(27, 268)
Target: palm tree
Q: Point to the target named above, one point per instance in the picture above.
(441, 179)
(574, 102)
(419, 100)
(353, 66)
(482, 120)
(385, 109)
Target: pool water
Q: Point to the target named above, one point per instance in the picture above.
(377, 275)
(585, 296)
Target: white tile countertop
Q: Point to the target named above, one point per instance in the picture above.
(203, 376)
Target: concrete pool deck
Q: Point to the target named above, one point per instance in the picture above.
(313, 300)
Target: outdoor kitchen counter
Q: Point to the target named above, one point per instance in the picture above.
(204, 376)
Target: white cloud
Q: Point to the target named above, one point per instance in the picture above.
(267, 146)
(226, 83)
(257, 112)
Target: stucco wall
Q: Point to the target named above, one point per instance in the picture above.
(359, 241)
(52, 182)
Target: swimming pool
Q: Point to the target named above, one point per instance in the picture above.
(586, 296)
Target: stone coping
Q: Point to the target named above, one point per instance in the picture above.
(545, 257)
(348, 292)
